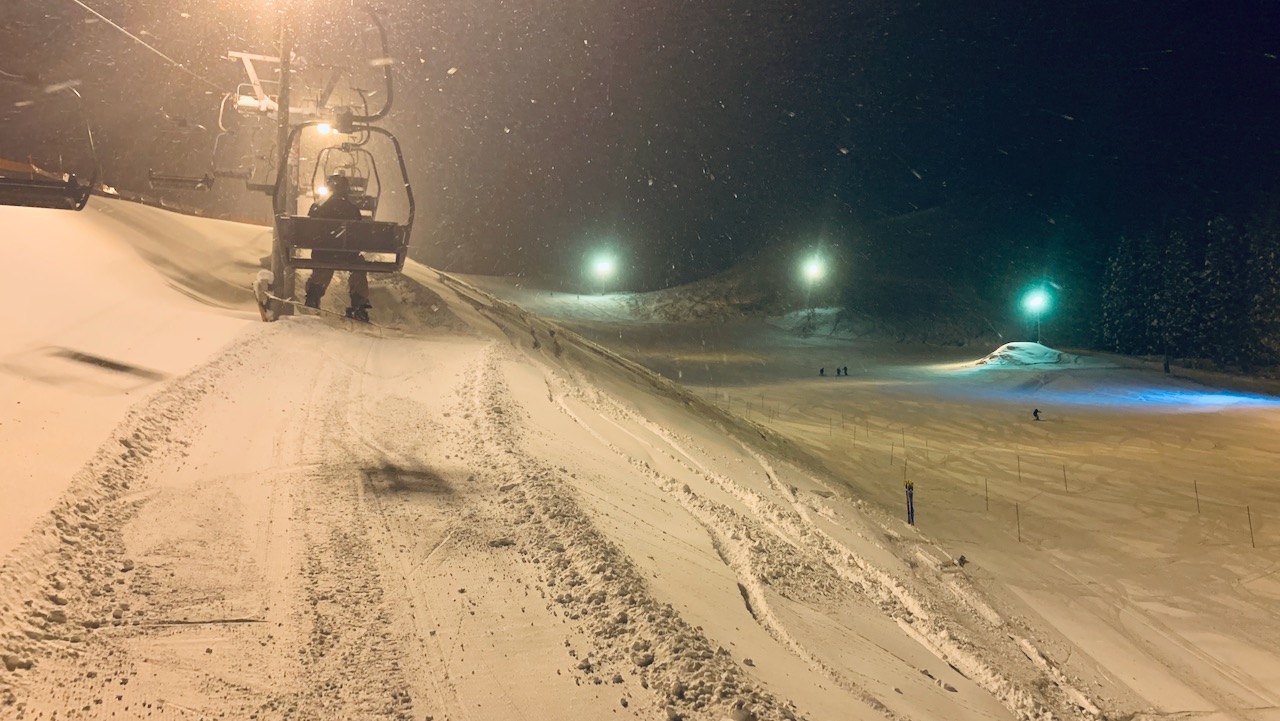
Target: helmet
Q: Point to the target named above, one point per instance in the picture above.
(339, 185)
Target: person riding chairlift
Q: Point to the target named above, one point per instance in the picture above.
(338, 206)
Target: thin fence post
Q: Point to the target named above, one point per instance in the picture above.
(1019, 469)
(986, 492)
(1250, 515)
(1064, 478)
(891, 454)
(1018, 515)
(1196, 485)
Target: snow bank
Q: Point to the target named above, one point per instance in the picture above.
(1023, 354)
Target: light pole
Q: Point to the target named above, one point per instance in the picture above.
(1036, 302)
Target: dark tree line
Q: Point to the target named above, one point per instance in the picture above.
(1206, 291)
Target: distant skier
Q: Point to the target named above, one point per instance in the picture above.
(911, 502)
(338, 206)
(822, 371)
(1036, 414)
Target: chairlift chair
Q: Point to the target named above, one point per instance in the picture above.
(23, 184)
(361, 169)
(65, 193)
(217, 169)
(168, 181)
(370, 245)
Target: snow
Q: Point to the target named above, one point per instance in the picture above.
(542, 507)
(1027, 354)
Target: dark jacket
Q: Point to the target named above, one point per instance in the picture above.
(335, 207)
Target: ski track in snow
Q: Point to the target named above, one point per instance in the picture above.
(596, 584)
(796, 528)
(346, 560)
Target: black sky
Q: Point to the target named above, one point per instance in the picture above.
(688, 134)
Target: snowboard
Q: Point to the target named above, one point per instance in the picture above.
(262, 293)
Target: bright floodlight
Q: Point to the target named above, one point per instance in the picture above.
(324, 128)
(603, 267)
(814, 270)
(322, 190)
(1036, 301)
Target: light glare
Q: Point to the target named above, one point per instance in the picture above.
(1036, 301)
(324, 128)
(814, 270)
(603, 267)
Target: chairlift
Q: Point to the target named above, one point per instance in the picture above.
(370, 245)
(25, 184)
(65, 193)
(204, 182)
(171, 181)
(166, 181)
(361, 169)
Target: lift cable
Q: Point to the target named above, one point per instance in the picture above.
(144, 44)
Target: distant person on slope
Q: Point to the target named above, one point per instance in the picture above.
(338, 206)
(1036, 414)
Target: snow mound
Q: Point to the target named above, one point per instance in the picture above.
(1013, 355)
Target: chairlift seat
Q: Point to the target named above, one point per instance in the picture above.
(165, 181)
(245, 174)
(369, 245)
(45, 193)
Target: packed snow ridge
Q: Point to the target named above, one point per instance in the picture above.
(1027, 354)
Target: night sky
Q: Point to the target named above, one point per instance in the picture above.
(960, 140)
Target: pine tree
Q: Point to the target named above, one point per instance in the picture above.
(1125, 326)
(1223, 295)
(1263, 273)
(1171, 308)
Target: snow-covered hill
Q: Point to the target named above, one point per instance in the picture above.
(471, 511)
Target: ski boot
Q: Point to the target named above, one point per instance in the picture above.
(360, 313)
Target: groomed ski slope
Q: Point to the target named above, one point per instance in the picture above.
(469, 516)
(1136, 528)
